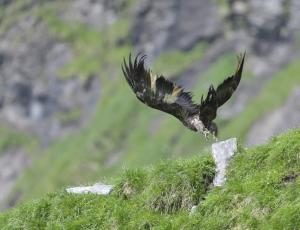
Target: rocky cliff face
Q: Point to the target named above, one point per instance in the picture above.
(32, 93)
(34, 97)
(171, 25)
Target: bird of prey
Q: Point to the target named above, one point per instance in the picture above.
(162, 94)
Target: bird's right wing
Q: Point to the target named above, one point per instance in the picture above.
(156, 91)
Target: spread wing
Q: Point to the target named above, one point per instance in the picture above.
(217, 97)
(156, 91)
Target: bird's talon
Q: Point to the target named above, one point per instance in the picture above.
(206, 134)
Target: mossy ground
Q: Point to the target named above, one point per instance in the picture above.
(262, 192)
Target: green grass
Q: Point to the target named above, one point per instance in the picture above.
(168, 188)
(256, 195)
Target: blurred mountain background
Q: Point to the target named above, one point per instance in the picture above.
(67, 116)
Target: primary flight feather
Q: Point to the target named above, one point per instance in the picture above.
(162, 94)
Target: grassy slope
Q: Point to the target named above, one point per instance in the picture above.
(257, 195)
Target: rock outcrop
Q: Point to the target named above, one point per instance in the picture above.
(169, 25)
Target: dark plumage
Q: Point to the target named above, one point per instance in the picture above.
(162, 94)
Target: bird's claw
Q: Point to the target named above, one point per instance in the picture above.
(207, 133)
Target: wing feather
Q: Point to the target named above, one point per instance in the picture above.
(229, 85)
(158, 92)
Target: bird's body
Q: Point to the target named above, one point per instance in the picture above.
(162, 94)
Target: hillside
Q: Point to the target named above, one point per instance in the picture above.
(67, 115)
(262, 192)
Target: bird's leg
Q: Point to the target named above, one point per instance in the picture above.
(197, 123)
(206, 133)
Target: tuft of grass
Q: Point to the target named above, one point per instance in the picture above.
(180, 184)
(131, 183)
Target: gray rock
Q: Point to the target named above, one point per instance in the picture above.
(97, 14)
(153, 21)
(264, 14)
(294, 22)
(174, 24)
(98, 188)
(222, 153)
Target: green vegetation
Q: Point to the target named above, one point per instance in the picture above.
(262, 192)
(258, 189)
(70, 116)
(13, 139)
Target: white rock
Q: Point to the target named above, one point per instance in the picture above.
(98, 188)
(222, 153)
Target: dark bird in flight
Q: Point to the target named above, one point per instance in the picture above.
(162, 94)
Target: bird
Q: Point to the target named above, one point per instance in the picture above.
(162, 94)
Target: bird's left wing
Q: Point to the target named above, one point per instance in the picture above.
(217, 97)
(156, 91)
